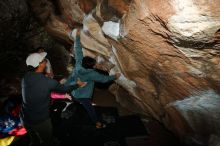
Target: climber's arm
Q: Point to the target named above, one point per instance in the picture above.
(78, 50)
(97, 77)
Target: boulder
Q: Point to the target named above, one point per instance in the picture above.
(167, 51)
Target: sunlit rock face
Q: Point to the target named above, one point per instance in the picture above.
(167, 51)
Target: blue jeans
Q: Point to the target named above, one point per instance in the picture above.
(87, 104)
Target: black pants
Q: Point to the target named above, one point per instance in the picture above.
(41, 134)
(87, 104)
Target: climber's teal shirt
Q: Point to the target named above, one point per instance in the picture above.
(86, 75)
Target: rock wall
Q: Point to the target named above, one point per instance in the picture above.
(167, 50)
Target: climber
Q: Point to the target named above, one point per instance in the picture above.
(85, 70)
(36, 88)
(49, 70)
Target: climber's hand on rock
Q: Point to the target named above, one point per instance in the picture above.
(72, 34)
(117, 75)
(75, 32)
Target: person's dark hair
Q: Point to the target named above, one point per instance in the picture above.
(39, 48)
(31, 68)
(88, 62)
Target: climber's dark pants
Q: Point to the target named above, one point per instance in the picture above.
(87, 104)
(40, 134)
